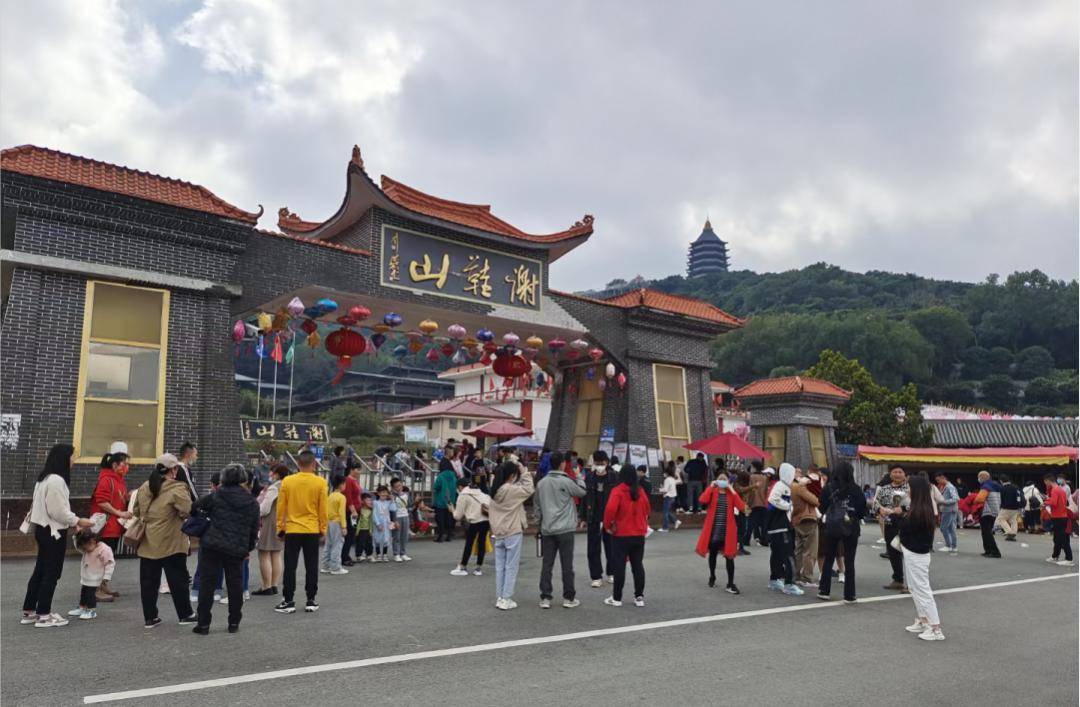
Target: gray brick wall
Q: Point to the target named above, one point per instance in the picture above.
(797, 416)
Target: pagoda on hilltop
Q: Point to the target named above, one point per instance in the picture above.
(708, 254)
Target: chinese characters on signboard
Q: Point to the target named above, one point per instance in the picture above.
(413, 261)
(284, 431)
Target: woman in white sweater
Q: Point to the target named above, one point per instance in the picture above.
(50, 517)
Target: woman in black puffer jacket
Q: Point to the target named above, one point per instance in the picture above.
(234, 528)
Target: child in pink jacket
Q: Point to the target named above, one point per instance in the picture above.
(97, 565)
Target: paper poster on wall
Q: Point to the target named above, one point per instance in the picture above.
(638, 455)
(607, 434)
(654, 457)
(9, 430)
(620, 450)
(415, 433)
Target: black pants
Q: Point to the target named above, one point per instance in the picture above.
(716, 548)
(563, 546)
(780, 566)
(444, 524)
(1061, 538)
(986, 525)
(294, 544)
(596, 539)
(47, 569)
(896, 558)
(364, 545)
(1031, 521)
(350, 537)
(756, 527)
(213, 563)
(88, 597)
(740, 530)
(833, 548)
(113, 543)
(632, 547)
(176, 574)
(477, 533)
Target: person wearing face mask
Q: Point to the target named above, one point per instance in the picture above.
(778, 527)
(598, 485)
(110, 498)
(720, 534)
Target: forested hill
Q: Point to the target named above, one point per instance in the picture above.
(1007, 344)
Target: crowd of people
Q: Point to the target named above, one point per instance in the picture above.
(809, 520)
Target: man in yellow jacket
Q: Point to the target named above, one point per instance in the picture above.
(301, 521)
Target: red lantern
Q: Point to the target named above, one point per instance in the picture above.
(596, 354)
(486, 359)
(345, 344)
(511, 366)
(447, 349)
(359, 312)
(309, 326)
(490, 346)
(432, 355)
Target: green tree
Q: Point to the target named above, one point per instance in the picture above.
(1001, 361)
(1042, 391)
(351, 420)
(947, 330)
(782, 371)
(248, 404)
(976, 361)
(1032, 362)
(999, 392)
(874, 414)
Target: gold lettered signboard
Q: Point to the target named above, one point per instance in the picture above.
(283, 431)
(431, 265)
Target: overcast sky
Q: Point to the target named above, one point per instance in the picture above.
(937, 137)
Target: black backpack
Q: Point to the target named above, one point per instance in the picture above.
(838, 520)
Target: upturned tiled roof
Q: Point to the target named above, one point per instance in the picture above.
(72, 169)
(453, 408)
(476, 216)
(290, 222)
(676, 304)
(791, 385)
(1004, 433)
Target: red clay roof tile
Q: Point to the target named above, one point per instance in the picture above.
(72, 169)
(676, 304)
(290, 222)
(791, 385)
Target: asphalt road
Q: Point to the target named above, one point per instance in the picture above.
(1017, 643)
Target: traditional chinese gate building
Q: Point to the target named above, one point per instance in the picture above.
(120, 286)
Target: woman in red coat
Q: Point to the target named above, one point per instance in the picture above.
(720, 533)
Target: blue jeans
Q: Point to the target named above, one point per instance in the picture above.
(400, 537)
(669, 511)
(507, 558)
(948, 529)
(334, 542)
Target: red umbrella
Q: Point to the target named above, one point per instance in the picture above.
(727, 443)
(499, 428)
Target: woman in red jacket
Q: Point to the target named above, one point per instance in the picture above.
(720, 533)
(626, 519)
(110, 498)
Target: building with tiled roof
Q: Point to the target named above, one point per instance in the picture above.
(1049, 432)
(792, 386)
(675, 304)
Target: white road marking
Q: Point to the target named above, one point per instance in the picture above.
(538, 640)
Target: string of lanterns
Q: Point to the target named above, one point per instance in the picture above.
(512, 359)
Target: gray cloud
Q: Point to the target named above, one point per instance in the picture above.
(938, 138)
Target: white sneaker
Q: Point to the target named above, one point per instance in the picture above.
(459, 571)
(51, 621)
(163, 589)
(932, 634)
(87, 614)
(500, 603)
(247, 594)
(397, 558)
(571, 603)
(362, 558)
(841, 578)
(596, 583)
(545, 603)
(385, 558)
(662, 530)
(406, 558)
(610, 601)
(917, 627)
(224, 600)
(28, 619)
(611, 579)
(677, 523)
(879, 541)
(509, 603)
(1066, 563)
(77, 611)
(1052, 560)
(639, 601)
(478, 572)
(323, 570)
(194, 597)
(339, 571)
(217, 596)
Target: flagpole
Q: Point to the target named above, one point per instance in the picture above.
(292, 368)
(274, 413)
(258, 386)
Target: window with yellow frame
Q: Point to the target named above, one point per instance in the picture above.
(817, 446)
(672, 419)
(774, 442)
(590, 406)
(121, 394)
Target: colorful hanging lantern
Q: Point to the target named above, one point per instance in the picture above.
(400, 351)
(392, 319)
(590, 373)
(490, 347)
(281, 321)
(429, 326)
(326, 306)
(345, 344)
(265, 321)
(540, 379)
(380, 328)
(579, 344)
(446, 349)
(556, 345)
(470, 343)
(238, 331)
(295, 307)
(534, 342)
(415, 335)
(609, 370)
(509, 365)
(621, 380)
(511, 339)
(378, 339)
(433, 355)
(456, 332)
(346, 320)
(415, 346)
(530, 353)
(485, 335)
(309, 326)
(573, 354)
(359, 312)
(459, 357)
(251, 330)
(596, 354)
(486, 359)
(313, 339)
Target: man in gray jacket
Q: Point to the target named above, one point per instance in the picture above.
(557, 518)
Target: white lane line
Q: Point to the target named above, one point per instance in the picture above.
(539, 640)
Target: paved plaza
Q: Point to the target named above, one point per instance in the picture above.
(412, 634)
